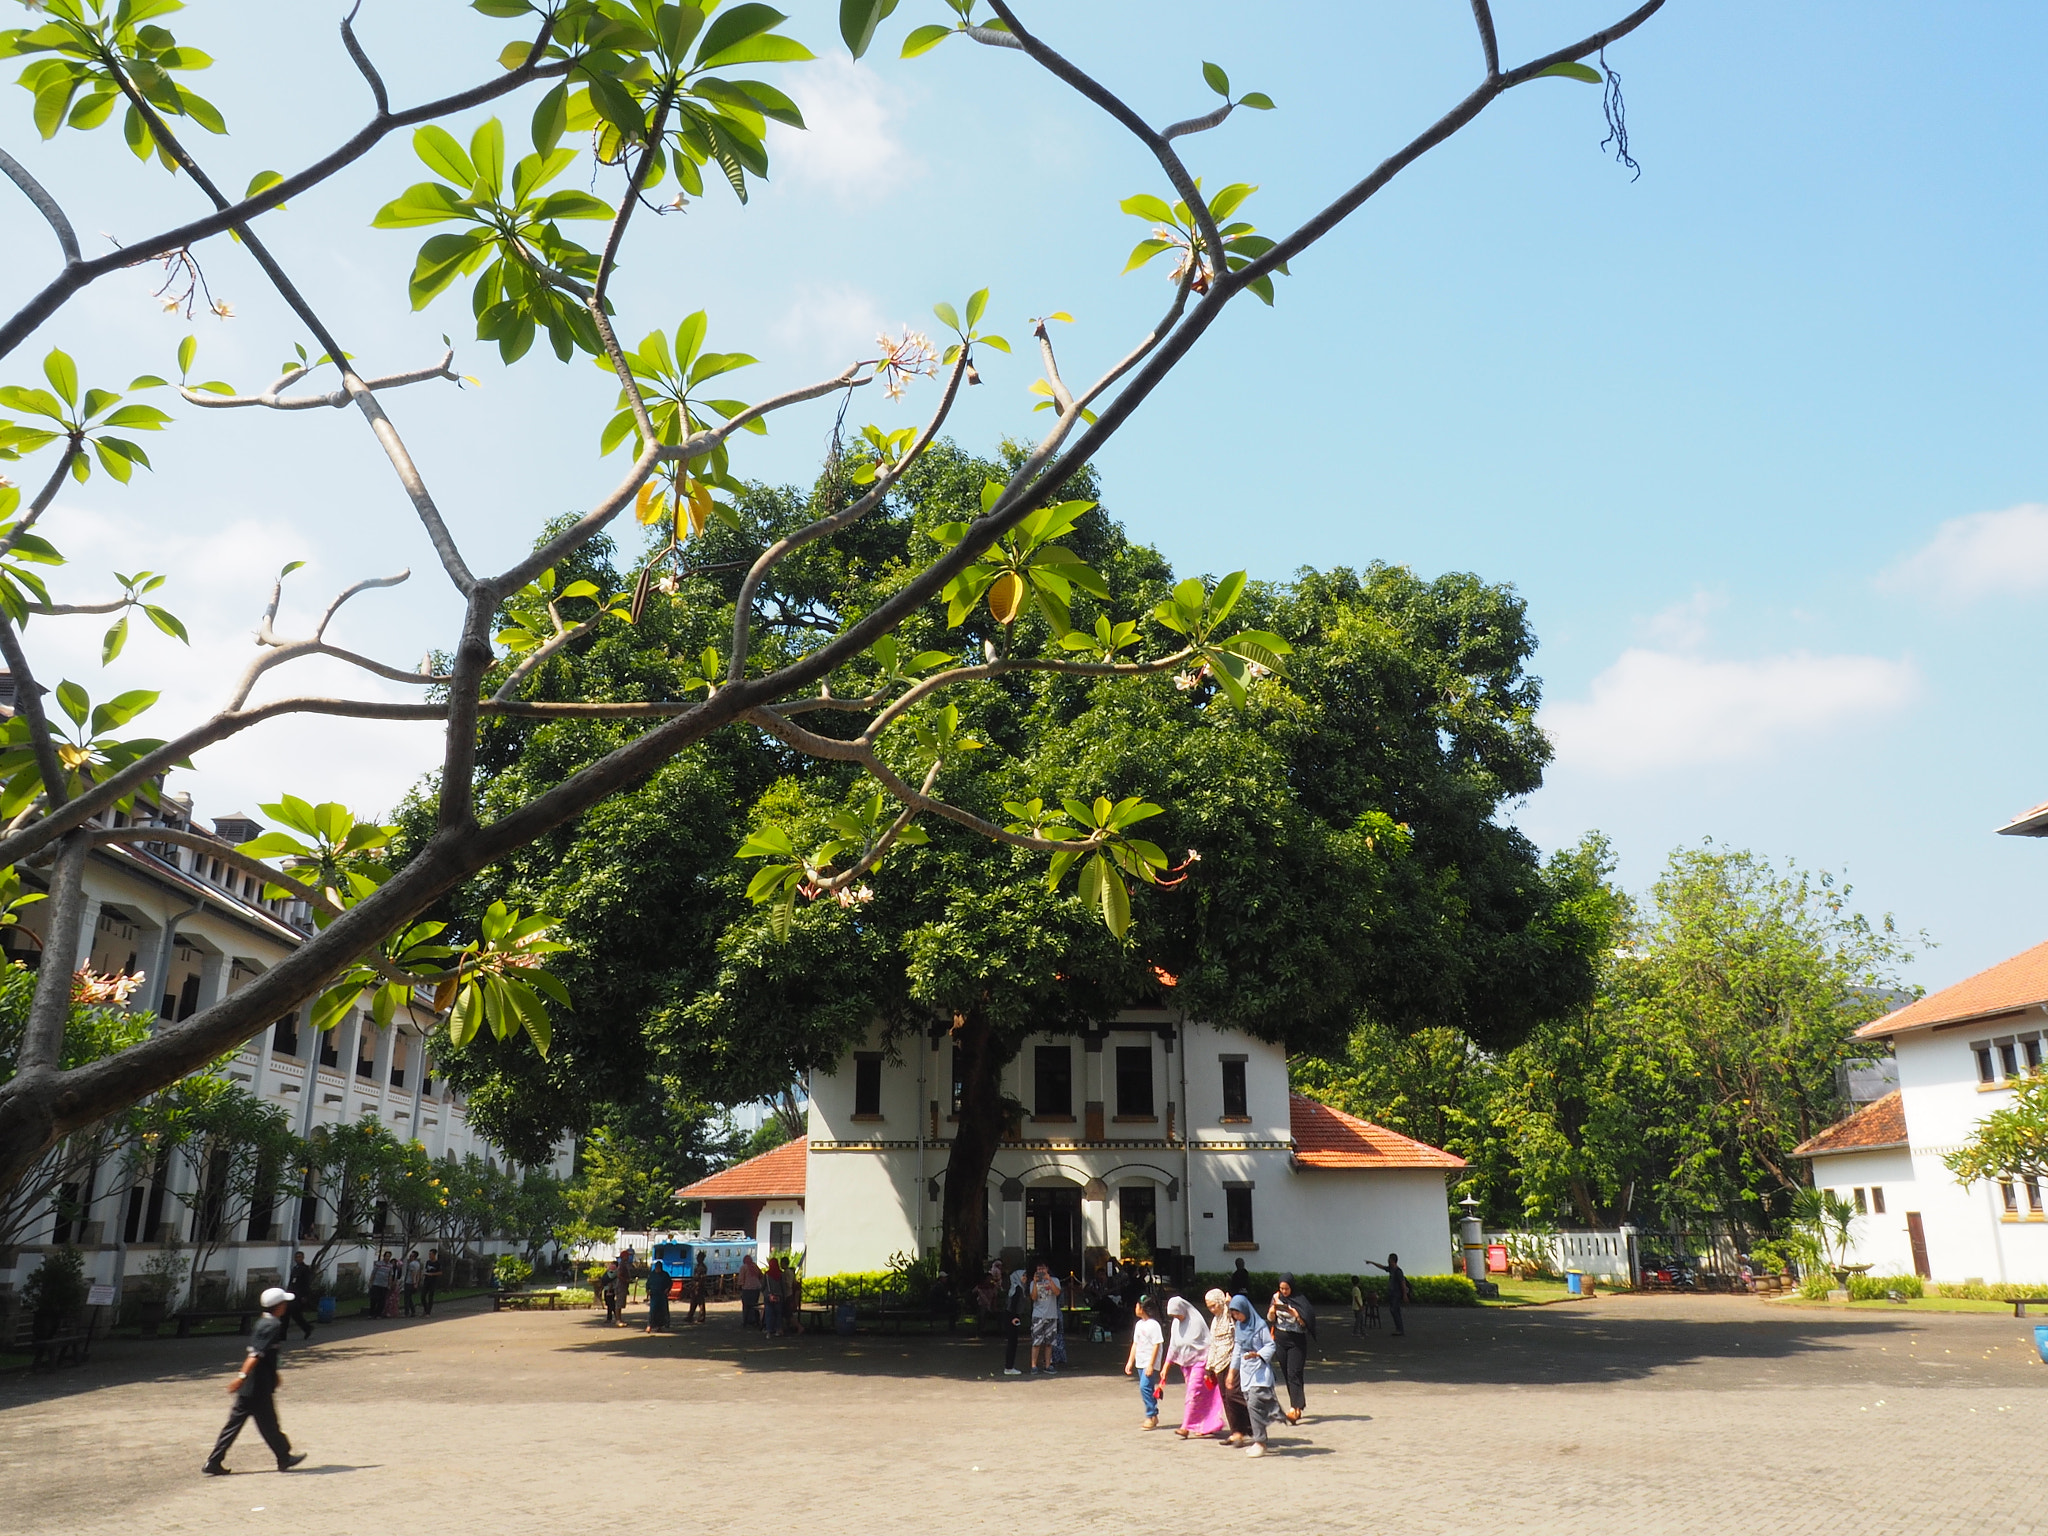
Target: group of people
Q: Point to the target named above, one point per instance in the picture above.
(409, 1282)
(1232, 1362)
(771, 1298)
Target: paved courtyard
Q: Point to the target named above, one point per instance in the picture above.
(1629, 1415)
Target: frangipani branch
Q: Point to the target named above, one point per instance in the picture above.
(274, 399)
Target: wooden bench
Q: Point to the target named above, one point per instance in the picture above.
(62, 1349)
(2021, 1303)
(245, 1319)
(526, 1301)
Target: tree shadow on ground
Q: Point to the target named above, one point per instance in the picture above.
(1451, 1347)
(119, 1362)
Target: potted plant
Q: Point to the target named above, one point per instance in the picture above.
(512, 1272)
(162, 1274)
(55, 1293)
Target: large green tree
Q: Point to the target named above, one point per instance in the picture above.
(1333, 833)
(1726, 1002)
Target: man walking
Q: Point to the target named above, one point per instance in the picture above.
(430, 1281)
(411, 1275)
(1397, 1289)
(255, 1390)
(301, 1282)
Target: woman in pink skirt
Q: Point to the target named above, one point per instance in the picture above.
(1202, 1406)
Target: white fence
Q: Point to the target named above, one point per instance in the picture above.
(1605, 1255)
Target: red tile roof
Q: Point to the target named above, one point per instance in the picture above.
(1329, 1138)
(776, 1175)
(2019, 982)
(1882, 1124)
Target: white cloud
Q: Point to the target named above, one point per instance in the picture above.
(1981, 555)
(849, 147)
(1683, 626)
(1656, 710)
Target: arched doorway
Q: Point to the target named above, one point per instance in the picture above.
(1052, 1226)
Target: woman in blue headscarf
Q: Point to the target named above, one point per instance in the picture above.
(1251, 1368)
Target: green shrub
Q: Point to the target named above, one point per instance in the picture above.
(512, 1271)
(1816, 1287)
(55, 1294)
(858, 1286)
(1982, 1292)
(1877, 1287)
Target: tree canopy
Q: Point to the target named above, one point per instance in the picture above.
(1331, 837)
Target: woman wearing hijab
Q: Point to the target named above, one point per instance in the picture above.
(1201, 1410)
(1251, 1367)
(1222, 1346)
(1293, 1317)
(1016, 1309)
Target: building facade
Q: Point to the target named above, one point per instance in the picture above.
(1959, 1054)
(196, 931)
(1151, 1134)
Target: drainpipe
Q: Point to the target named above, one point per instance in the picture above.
(1187, 1156)
(919, 1196)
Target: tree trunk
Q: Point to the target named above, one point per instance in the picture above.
(963, 1247)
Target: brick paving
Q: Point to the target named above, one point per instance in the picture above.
(1631, 1415)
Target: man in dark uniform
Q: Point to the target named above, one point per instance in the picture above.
(430, 1281)
(301, 1282)
(255, 1389)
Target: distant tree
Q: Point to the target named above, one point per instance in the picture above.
(230, 1152)
(2009, 1143)
(343, 1168)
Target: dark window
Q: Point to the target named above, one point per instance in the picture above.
(867, 1086)
(1985, 1074)
(1134, 1081)
(427, 1086)
(366, 1065)
(284, 1036)
(2033, 1197)
(1238, 1215)
(188, 998)
(1054, 1081)
(780, 1235)
(2009, 1059)
(263, 1204)
(1138, 1215)
(1233, 1091)
(956, 1080)
(1862, 1205)
(330, 1050)
(1877, 1199)
(2032, 1050)
(2012, 1200)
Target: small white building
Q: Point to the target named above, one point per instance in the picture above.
(1149, 1132)
(762, 1197)
(1959, 1053)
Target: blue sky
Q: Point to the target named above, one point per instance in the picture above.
(1756, 434)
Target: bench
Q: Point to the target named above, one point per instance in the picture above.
(526, 1301)
(2021, 1303)
(245, 1319)
(62, 1349)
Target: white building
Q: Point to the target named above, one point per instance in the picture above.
(1151, 1129)
(198, 932)
(1959, 1053)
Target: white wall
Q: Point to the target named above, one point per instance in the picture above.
(1879, 1241)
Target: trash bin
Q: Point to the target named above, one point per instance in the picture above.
(1574, 1282)
(844, 1317)
(326, 1309)
(2041, 1341)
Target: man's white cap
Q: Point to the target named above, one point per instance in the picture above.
(276, 1294)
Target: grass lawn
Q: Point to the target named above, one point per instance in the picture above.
(1527, 1293)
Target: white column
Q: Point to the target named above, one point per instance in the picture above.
(88, 928)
